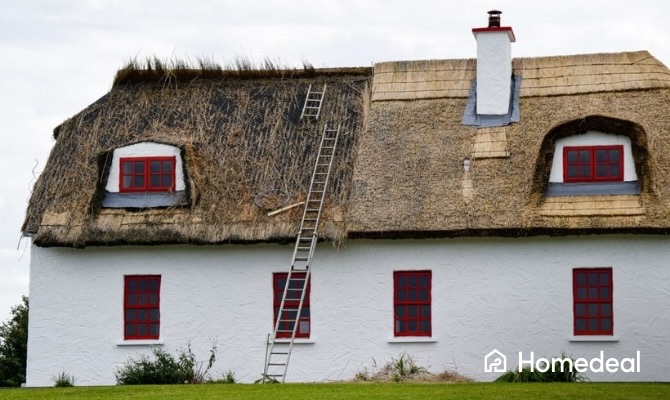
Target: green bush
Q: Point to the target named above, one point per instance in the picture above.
(14, 346)
(165, 369)
(63, 380)
(557, 375)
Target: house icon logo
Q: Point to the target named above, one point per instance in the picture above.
(495, 361)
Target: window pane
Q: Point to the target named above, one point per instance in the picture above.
(132, 299)
(614, 155)
(139, 167)
(423, 281)
(154, 329)
(593, 293)
(601, 155)
(412, 311)
(155, 167)
(425, 326)
(143, 315)
(593, 325)
(154, 181)
(143, 299)
(304, 313)
(593, 310)
(580, 310)
(581, 293)
(423, 294)
(155, 315)
(412, 294)
(141, 330)
(402, 294)
(572, 156)
(138, 181)
(400, 311)
(131, 315)
(580, 324)
(304, 327)
(411, 326)
(127, 168)
(130, 330)
(584, 156)
(604, 293)
(127, 181)
(614, 169)
(593, 279)
(584, 170)
(167, 166)
(167, 181)
(425, 311)
(412, 281)
(143, 285)
(607, 324)
(604, 278)
(402, 281)
(153, 285)
(400, 326)
(601, 170)
(572, 171)
(606, 310)
(581, 279)
(132, 285)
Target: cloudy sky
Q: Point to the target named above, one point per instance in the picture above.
(58, 56)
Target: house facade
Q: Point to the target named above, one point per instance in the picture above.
(470, 210)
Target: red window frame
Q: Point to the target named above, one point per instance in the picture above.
(141, 307)
(592, 294)
(133, 178)
(599, 165)
(292, 301)
(412, 303)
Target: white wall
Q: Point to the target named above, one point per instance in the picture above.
(145, 149)
(593, 138)
(509, 294)
(494, 72)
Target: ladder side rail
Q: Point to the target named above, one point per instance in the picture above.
(325, 184)
(304, 107)
(323, 96)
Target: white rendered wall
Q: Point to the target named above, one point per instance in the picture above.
(494, 72)
(593, 138)
(509, 294)
(145, 149)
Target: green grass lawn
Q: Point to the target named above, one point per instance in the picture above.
(466, 391)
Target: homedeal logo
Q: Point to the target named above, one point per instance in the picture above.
(495, 361)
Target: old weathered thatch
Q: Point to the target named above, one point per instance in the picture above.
(242, 141)
(400, 171)
(412, 182)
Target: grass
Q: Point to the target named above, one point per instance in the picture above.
(468, 391)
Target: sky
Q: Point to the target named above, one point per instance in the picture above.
(58, 56)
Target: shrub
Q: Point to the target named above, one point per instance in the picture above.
(14, 346)
(165, 368)
(554, 374)
(63, 380)
(404, 369)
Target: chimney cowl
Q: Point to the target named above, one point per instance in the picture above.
(494, 18)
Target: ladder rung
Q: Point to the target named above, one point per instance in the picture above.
(302, 258)
(275, 364)
(282, 353)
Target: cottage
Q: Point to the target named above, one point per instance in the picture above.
(475, 207)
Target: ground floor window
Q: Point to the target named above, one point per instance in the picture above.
(141, 307)
(288, 318)
(592, 294)
(412, 303)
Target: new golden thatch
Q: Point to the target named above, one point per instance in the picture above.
(400, 171)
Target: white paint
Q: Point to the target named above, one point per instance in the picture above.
(509, 294)
(145, 149)
(494, 72)
(593, 138)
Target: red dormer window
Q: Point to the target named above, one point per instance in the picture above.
(147, 174)
(593, 164)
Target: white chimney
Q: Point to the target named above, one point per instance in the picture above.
(494, 66)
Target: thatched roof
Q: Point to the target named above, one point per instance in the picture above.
(412, 182)
(240, 134)
(400, 170)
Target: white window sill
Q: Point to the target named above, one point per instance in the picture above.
(412, 339)
(150, 342)
(296, 341)
(593, 338)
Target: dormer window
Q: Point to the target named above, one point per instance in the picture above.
(593, 163)
(147, 174)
